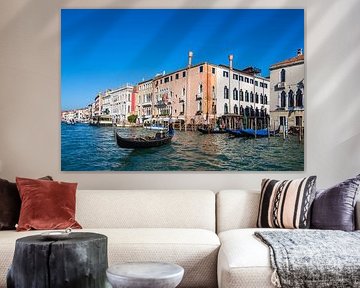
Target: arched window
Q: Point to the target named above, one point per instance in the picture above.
(291, 99)
(213, 92)
(261, 98)
(183, 92)
(226, 109)
(256, 98)
(199, 106)
(226, 92)
(200, 88)
(241, 95)
(246, 96)
(251, 96)
(235, 94)
(236, 109)
(282, 75)
(299, 98)
(283, 99)
(241, 110)
(265, 100)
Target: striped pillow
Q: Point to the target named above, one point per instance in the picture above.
(286, 204)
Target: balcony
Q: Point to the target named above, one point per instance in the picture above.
(280, 86)
(199, 96)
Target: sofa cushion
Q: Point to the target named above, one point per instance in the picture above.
(146, 209)
(10, 204)
(46, 204)
(236, 209)
(196, 250)
(334, 208)
(244, 261)
(286, 204)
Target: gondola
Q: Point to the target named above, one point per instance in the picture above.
(143, 142)
(236, 133)
(251, 133)
(211, 131)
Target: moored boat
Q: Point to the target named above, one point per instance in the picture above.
(211, 131)
(143, 142)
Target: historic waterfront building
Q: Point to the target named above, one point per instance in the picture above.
(287, 93)
(120, 104)
(144, 100)
(241, 95)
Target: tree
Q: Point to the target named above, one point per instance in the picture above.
(132, 118)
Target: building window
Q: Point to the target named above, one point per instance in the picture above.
(261, 99)
(282, 75)
(265, 85)
(183, 92)
(282, 120)
(225, 74)
(235, 94)
(200, 88)
(166, 79)
(184, 73)
(199, 106)
(298, 121)
(241, 95)
(160, 81)
(246, 96)
(299, 98)
(171, 78)
(261, 84)
(241, 78)
(177, 76)
(256, 83)
(251, 96)
(251, 81)
(246, 79)
(256, 98)
(283, 99)
(201, 69)
(213, 92)
(226, 109)
(226, 92)
(236, 109)
(265, 100)
(235, 77)
(291, 99)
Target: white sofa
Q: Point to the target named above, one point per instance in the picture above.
(163, 225)
(174, 226)
(243, 261)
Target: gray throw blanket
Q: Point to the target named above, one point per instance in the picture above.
(314, 258)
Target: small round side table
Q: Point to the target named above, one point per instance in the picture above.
(145, 275)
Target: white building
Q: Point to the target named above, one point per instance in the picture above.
(106, 102)
(287, 92)
(121, 103)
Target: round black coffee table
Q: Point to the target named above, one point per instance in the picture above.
(79, 260)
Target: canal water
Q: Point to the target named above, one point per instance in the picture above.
(91, 148)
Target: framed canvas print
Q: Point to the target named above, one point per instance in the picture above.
(182, 90)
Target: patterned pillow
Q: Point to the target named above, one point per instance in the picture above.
(286, 204)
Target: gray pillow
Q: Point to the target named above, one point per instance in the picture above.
(334, 208)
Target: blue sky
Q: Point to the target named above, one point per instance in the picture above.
(106, 48)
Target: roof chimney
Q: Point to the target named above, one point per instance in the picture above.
(231, 57)
(299, 52)
(190, 58)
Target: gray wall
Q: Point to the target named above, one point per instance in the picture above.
(30, 94)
